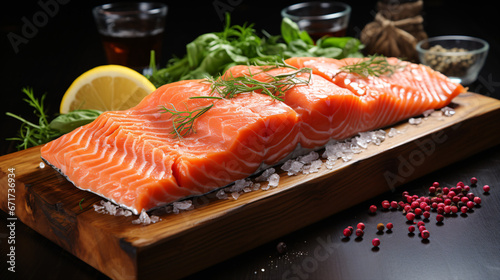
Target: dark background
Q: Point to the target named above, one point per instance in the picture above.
(69, 45)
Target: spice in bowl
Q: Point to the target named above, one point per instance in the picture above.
(449, 64)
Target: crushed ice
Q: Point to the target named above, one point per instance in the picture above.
(106, 207)
(447, 111)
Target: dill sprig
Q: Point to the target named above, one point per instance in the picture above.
(276, 87)
(32, 134)
(183, 121)
(374, 65)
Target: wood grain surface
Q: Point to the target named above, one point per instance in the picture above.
(181, 244)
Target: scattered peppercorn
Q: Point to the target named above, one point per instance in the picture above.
(411, 229)
(440, 218)
(347, 232)
(410, 216)
(373, 209)
(425, 234)
(361, 226)
(376, 242)
(389, 226)
(473, 180)
(477, 200)
(470, 204)
(486, 188)
(380, 227)
(359, 232)
(464, 209)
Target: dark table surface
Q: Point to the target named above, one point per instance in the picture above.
(463, 247)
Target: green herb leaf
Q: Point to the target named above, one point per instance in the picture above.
(375, 65)
(68, 122)
(183, 121)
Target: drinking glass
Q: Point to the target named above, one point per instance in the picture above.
(130, 31)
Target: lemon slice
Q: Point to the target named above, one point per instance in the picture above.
(106, 88)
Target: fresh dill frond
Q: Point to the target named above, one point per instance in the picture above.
(374, 65)
(183, 121)
(276, 87)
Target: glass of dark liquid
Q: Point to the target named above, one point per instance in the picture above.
(130, 31)
(320, 18)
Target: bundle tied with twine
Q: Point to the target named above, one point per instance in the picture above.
(395, 30)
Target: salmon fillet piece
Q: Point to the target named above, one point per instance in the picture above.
(336, 105)
(132, 158)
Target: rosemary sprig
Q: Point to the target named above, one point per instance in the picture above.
(374, 65)
(33, 134)
(183, 121)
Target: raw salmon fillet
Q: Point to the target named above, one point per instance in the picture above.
(336, 105)
(132, 158)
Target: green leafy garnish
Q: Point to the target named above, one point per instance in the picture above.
(275, 88)
(375, 65)
(211, 54)
(80, 204)
(32, 134)
(183, 121)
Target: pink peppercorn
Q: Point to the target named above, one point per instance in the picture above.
(359, 232)
(411, 229)
(446, 190)
(454, 209)
(477, 200)
(425, 234)
(420, 223)
(460, 184)
(421, 228)
(456, 199)
(464, 209)
(410, 216)
(389, 226)
(473, 180)
(464, 199)
(451, 194)
(440, 210)
(386, 204)
(432, 189)
(439, 218)
(427, 214)
(361, 226)
(470, 204)
(447, 209)
(405, 193)
(394, 204)
(407, 208)
(376, 242)
(414, 204)
(470, 196)
(373, 209)
(447, 201)
(418, 211)
(466, 188)
(486, 188)
(435, 184)
(347, 232)
(434, 205)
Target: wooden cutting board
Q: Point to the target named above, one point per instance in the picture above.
(216, 230)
